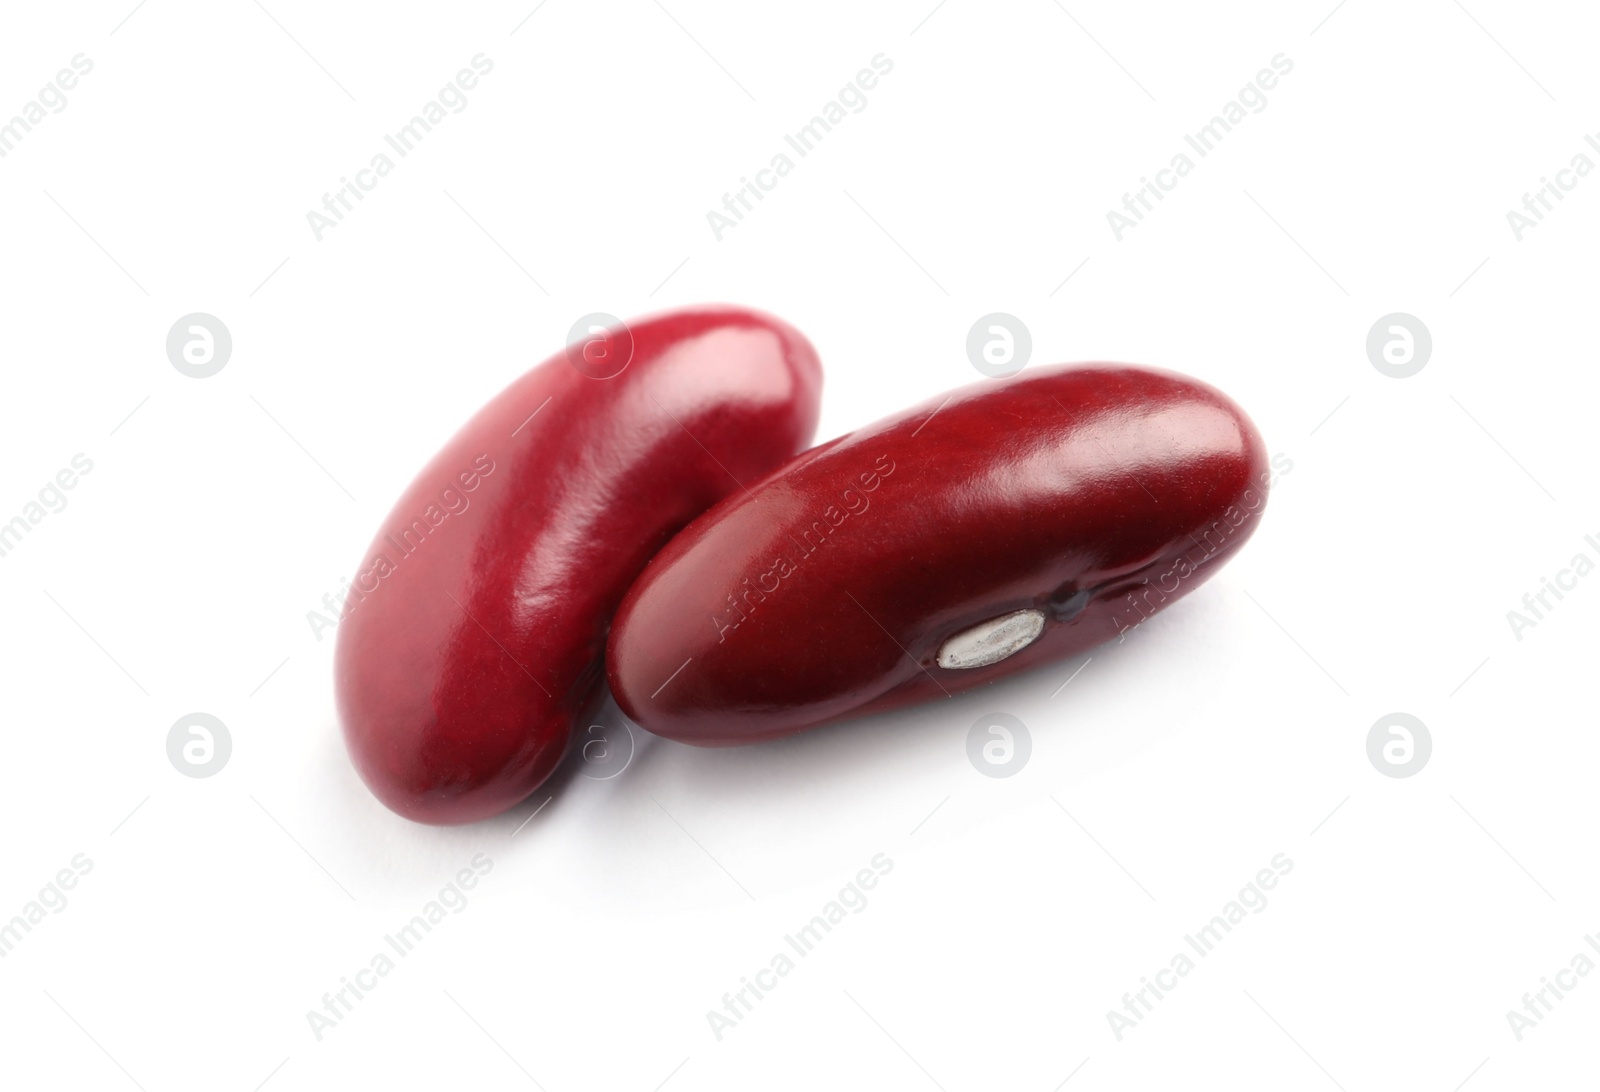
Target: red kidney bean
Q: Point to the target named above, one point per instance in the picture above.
(475, 632)
(998, 529)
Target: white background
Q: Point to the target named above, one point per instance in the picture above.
(1020, 910)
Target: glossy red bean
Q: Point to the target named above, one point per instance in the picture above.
(1009, 525)
(474, 634)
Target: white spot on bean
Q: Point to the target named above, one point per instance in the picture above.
(992, 641)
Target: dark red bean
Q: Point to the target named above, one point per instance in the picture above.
(1013, 524)
(475, 632)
